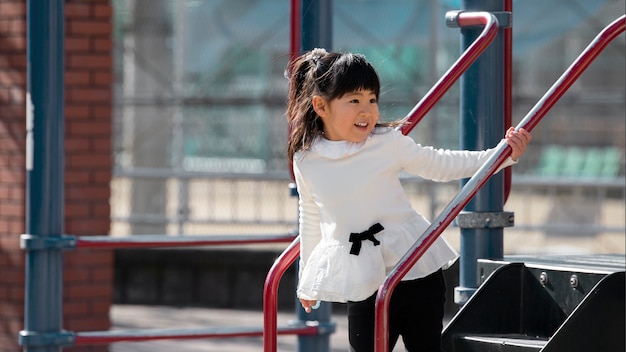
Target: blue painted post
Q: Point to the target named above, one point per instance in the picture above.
(316, 24)
(316, 32)
(482, 126)
(44, 179)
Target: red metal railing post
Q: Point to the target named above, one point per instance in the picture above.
(166, 241)
(294, 49)
(270, 294)
(503, 151)
(294, 29)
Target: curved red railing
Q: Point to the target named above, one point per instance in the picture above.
(458, 68)
(413, 117)
(481, 177)
(270, 294)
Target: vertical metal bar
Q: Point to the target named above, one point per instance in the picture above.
(294, 50)
(43, 310)
(481, 127)
(508, 90)
(294, 29)
(317, 24)
(316, 32)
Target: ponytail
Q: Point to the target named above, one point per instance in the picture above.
(304, 124)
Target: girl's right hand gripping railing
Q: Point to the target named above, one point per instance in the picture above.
(481, 177)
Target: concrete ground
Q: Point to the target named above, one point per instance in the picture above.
(127, 317)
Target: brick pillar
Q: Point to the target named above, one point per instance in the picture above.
(88, 275)
(12, 169)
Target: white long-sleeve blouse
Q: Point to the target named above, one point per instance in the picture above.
(347, 187)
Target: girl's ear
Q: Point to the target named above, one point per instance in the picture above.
(319, 105)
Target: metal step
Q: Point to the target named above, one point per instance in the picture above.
(499, 343)
(577, 304)
(566, 278)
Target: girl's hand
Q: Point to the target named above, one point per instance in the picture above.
(518, 140)
(308, 304)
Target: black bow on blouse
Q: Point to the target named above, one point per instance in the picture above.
(357, 238)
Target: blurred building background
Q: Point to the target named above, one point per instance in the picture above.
(200, 132)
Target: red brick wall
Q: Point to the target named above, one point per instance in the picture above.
(12, 169)
(88, 275)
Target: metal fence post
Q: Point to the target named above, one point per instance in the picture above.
(482, 127)
(43, 310)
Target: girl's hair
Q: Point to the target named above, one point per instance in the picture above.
(329, 75)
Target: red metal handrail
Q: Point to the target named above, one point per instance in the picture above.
(270, 293)
(160, 241)
(294, 29)
(294, 50)
(574, 71)
(458, 68)
(413, 117)
(114, 336)
(481, 177)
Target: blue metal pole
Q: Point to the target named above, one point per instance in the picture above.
(316, 24)
(316, 32)
(44, 178)
(482, 126)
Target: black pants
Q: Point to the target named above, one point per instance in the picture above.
(415, 313)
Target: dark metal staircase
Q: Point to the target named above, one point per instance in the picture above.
(547, 304)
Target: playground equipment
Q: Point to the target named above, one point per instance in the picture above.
(479, 179)
(598, 286)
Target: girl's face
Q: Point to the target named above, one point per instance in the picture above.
(351, 117)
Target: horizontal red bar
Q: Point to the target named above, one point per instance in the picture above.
(113, 336)
(153, 241)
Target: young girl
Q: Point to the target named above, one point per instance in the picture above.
(356, 222)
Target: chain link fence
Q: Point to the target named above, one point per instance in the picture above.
(200, 132)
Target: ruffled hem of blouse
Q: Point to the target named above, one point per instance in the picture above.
(332, 274)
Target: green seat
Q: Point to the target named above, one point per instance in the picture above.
(594, 163)
(551, 161)
(611, 162)
(574, 162)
